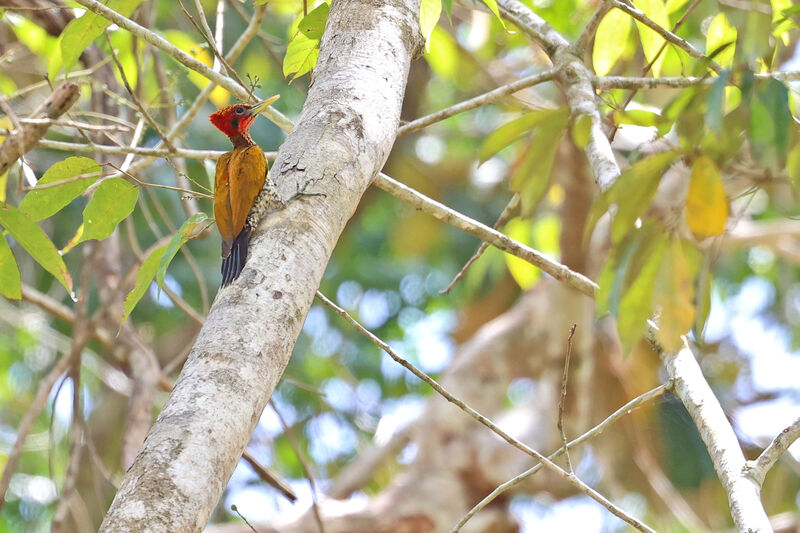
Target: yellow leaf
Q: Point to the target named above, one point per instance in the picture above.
(656, 11)
(721, 33)
(524, 273)
(444, 58)
(706, 204)
(3, 185)
(610, 40)
(429, 13)
(675, 293)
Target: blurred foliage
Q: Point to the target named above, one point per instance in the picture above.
(733, 144)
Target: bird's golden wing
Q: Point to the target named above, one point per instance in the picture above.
(222, 203)
(247, 172)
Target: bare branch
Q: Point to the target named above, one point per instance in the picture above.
(566, 476)
(563, 397)
(758, 469)
(503, 242)
(668, 36)
(20, 142)
(165, 46)
(597, 430)
(486, 98)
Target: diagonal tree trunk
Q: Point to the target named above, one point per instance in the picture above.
(343, 136)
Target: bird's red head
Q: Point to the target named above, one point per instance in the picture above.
(235, 120)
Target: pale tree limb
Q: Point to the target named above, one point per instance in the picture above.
(758, 469)
(576, 79)
(338, 145)
(723, 446)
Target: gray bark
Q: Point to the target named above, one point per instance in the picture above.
(342, 139)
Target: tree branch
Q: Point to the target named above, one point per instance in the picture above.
(723, 446)
(23, 140)
(758, 469)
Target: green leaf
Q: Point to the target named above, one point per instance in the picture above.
(313, 24)
(636, 304)
(492, 5)
(444, 60)
(185, 233)
(111, 203)
(651, 41)
(532, 176)
(35, 242)
(793, 164)
(638, 117)
(770, 119)
(610, 41)
(716, 102)
(429, 13)
(525, 274)
(754, 44)
(581, 129)
(609, 281)
(301, 56)
(703, 298)
(144, 277)
(448, 7)
(42, 203)
(82, 31)
(511, 131)
(303, 50)
(634, 190)
(10, 283)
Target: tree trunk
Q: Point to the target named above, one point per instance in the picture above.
(343, 137)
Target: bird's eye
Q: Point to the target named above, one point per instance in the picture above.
(239, 110)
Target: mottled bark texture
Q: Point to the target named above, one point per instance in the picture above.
(342, 138)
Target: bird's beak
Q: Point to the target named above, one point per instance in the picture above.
(257, 108)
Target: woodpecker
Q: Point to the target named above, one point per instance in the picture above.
(243, 190)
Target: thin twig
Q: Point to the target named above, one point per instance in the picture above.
(483, 99)
(145, 114)
(590, 30)
(566, 476)
(473, 227)
(562, 399)
(269, 475)
(667, 35)
(192, 63)
(303, 464)
(27, 136)
(652, 62)
(597, 430)
(504, 216)
(26, 424)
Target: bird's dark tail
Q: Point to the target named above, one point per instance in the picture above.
(233, 264)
